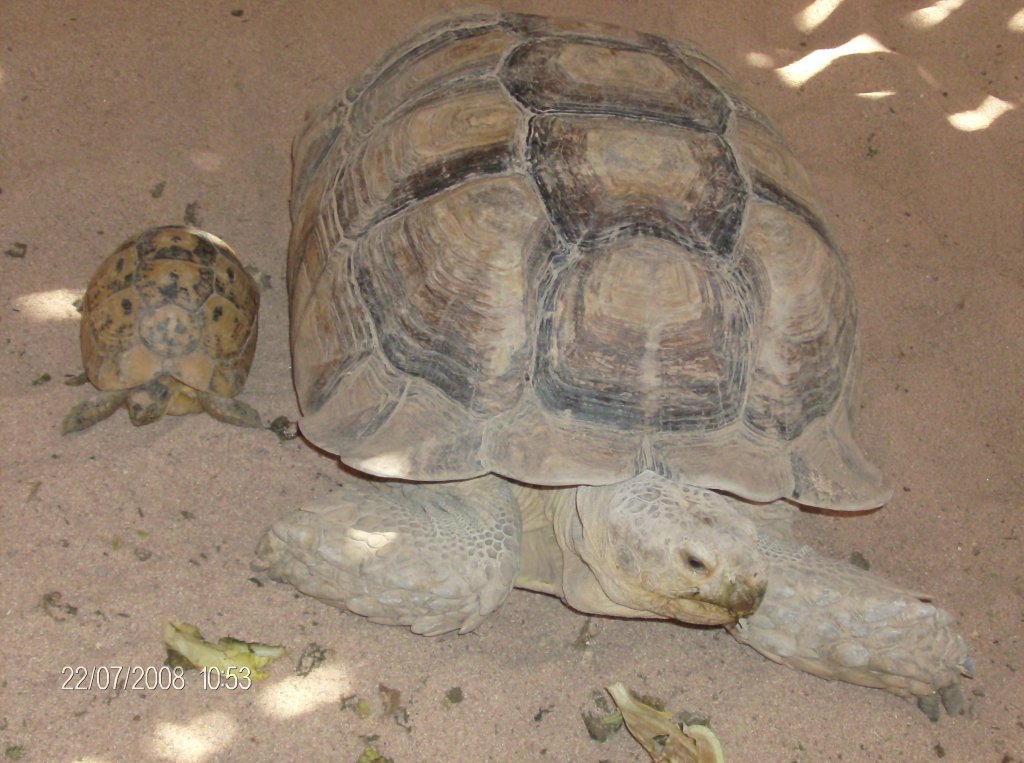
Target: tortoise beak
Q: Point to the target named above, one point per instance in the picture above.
(745, 595)
(727, 603)
(736, 597)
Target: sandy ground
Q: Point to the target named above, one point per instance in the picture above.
(118, 115)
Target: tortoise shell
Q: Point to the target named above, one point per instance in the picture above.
(173, 301)
(566, 253)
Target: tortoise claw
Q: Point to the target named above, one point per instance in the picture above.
(952, 698)
(949, 697)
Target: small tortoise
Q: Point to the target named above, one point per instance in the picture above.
(168, 326)
(573, 299)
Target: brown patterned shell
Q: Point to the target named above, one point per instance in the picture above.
(566, 253)
(173, 301)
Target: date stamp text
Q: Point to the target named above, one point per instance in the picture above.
(150, 678)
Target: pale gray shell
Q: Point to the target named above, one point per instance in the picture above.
(566, 253)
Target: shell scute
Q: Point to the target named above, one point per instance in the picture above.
(445, 314)
(435, 144)
(595, 77)
(809, 336)
(455, 56)
(600, 173)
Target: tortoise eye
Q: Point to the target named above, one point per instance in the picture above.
(695, 564)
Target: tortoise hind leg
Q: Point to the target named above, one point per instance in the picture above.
(93, 411)
(230, 410)
(436, 558)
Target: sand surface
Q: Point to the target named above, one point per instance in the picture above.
(115, 116)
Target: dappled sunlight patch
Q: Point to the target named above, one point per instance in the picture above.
(1015, 24)
(53, 305)
(196, 740)
(297, 695)
(363, 545)
(760, 60)
(803, 70)
(982, 117)
(815, 14)
(934, 14)
(385, 465)
(876, 95)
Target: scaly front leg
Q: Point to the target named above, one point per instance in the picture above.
(436, 558)
(838, 621)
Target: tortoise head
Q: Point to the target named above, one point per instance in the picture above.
(671, 550)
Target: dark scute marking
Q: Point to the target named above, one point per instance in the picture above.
(428, 357)
(525, 24)
(218, 311)
(539, 145)
(535, 27)
(613, 406)
(647, 222)
(529, 77)
(380, 418)
(442, 175)
(231, 274)
(410, 349)
(119, 265)
(717, 221)
(170, 290)
(734, 300)
(580, 211)
(205, 252)
(168, 337)
(325, 380)
(126, 306)
(173, 253)
(606, 404)
(308, 170)
(767, 189)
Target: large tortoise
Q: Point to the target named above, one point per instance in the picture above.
(572, 298)
(169, 325)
